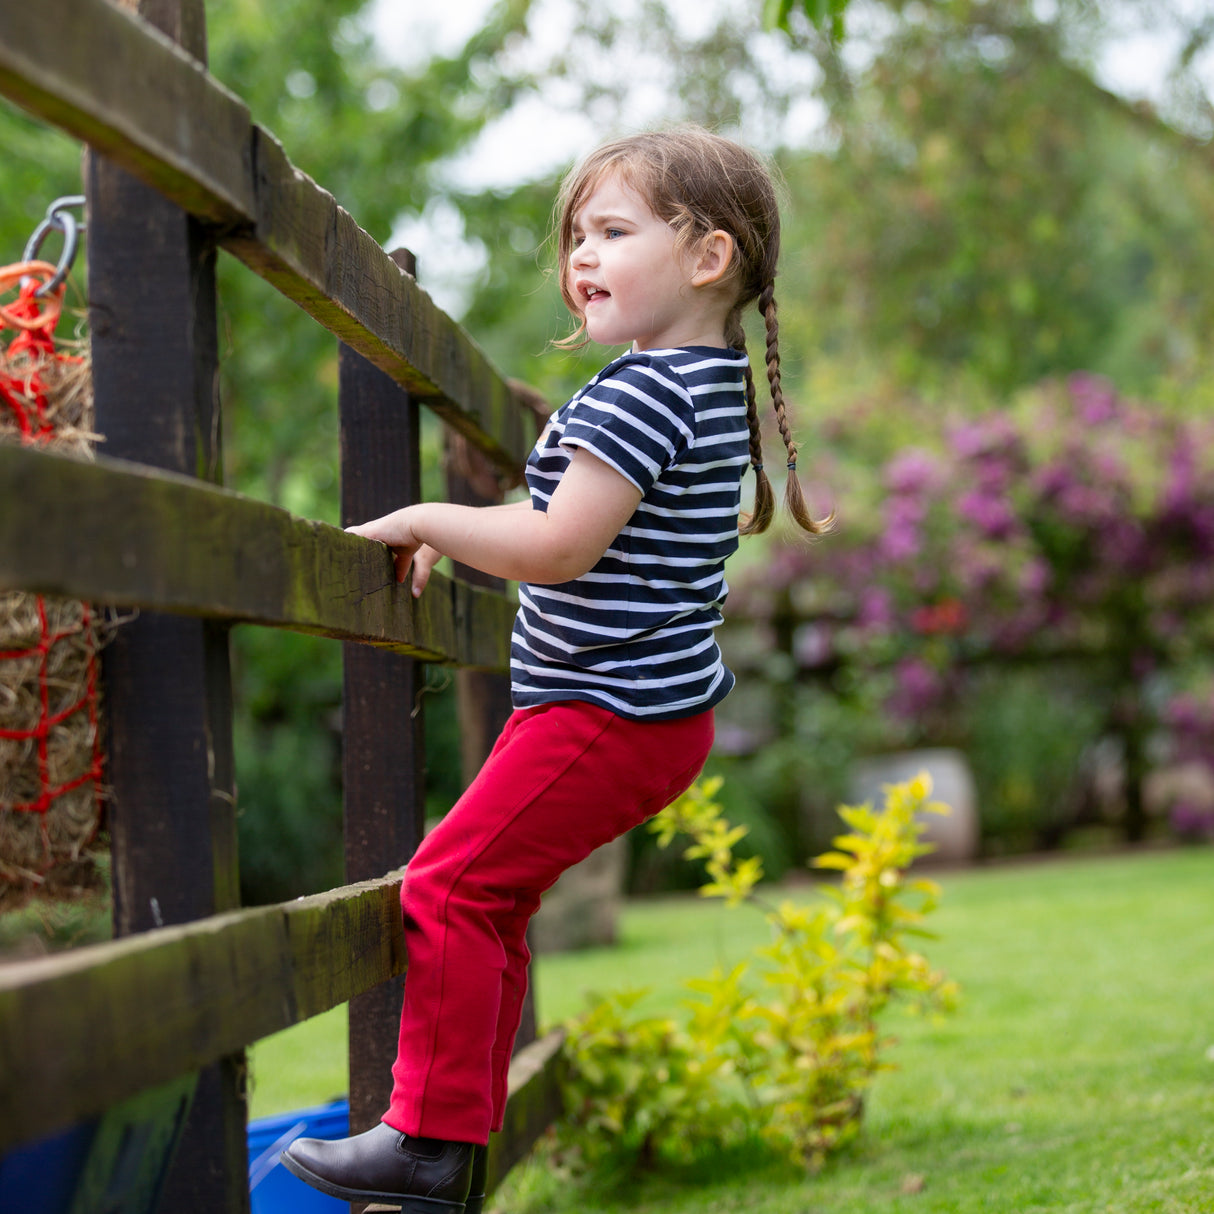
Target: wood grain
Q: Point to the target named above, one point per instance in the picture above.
(85, 1029)
(119, 533)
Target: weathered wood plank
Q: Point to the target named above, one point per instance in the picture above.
(534, 1103)
(113, 532)
(127, 90)
(85, 1029)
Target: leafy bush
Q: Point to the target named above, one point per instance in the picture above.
(1029, 735)
(786, 1044)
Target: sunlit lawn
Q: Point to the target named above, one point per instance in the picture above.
(1077, 1076)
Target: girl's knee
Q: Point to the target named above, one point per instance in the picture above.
(422, 887)
(443, 886)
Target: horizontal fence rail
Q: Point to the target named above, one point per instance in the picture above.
(119, 533)
(130, 92)
(85, 1029)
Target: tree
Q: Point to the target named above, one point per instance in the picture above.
(1014, 224)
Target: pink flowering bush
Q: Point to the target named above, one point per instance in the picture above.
(1074, 528)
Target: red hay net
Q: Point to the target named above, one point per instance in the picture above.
(50, 740)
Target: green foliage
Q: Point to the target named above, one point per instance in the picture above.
(73, 909)
(1016, 220)
(40, 165)
(287, 737)
(786, 1043)
(1029, 734)
(288, 764)
(826, 15)
(1069, 1086)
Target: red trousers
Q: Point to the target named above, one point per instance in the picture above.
(562, 780)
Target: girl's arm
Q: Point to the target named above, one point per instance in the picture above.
(588, 509)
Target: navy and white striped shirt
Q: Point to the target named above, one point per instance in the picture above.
(635, 633)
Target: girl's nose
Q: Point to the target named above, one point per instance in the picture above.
(581, 255)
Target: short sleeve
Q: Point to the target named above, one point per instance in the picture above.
(637, 416)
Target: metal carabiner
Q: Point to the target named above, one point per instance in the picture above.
(58, 218)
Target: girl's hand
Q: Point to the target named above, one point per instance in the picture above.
(424, 559)
(408, 551)
(517, 542)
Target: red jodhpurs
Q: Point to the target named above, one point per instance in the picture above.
(562, 780)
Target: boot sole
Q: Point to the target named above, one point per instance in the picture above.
(406, 1202)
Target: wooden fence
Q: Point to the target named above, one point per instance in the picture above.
(142, 1039)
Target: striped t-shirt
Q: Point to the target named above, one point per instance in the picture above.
(635, 633)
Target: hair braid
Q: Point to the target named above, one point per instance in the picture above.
(765, 498)
(794, 500)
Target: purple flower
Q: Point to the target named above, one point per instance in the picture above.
(900, 543)
(991, 515)
(1053, 479)
(1191, 723)
(1094, 398)
(813, 646)
(912, 471)
(1193, 822)
(876, 609)
(918, 687)
(901, 540)
(1034, 576)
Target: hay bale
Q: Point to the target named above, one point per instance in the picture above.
(67, 398)
(50, 787)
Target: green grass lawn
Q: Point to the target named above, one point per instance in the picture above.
(1078, 1074)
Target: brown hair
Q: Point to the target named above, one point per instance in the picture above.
(698, 183)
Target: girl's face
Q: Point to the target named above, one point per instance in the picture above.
(629, 281)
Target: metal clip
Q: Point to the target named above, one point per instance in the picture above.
(58, 218)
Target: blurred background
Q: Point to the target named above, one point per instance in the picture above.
(996, 311)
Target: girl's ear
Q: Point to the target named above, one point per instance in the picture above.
(715, 257)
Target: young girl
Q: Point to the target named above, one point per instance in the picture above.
(634, 497)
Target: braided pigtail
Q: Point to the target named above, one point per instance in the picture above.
(794, 500)
(765, 498)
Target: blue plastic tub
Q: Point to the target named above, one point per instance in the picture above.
(41, 1177)
(272, 1189)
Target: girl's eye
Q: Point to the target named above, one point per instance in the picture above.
(612, 233)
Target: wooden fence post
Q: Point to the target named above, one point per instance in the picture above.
(384, 747)
(172, 819)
